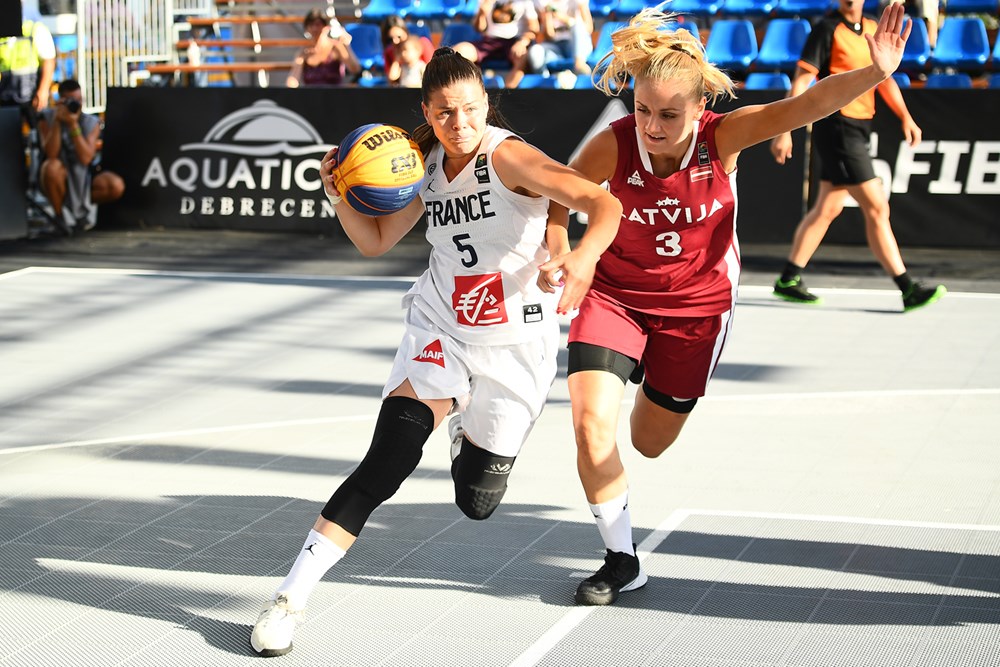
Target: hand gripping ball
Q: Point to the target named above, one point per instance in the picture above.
(379, 169)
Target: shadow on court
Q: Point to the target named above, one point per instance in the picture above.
(125, 556)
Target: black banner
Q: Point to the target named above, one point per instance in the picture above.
(13, 222)
(248, 158)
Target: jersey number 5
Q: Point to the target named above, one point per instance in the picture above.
(463, 248)
(671, 244)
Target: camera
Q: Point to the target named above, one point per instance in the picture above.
(73, 106)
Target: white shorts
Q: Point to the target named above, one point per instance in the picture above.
(500, 389)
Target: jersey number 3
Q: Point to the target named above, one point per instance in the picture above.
(671, 244)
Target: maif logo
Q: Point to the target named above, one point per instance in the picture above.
(432, 354)
(257, 161)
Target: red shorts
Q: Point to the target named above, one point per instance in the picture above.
(679, 353)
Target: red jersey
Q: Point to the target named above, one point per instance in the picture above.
(676, 251)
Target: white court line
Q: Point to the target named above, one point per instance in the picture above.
(756, 289)
(824, 395)
(577, 615)
(194, 431)
(208, 274)
(571, 619)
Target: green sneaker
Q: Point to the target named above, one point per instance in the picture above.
(794, 290)
(918, 296)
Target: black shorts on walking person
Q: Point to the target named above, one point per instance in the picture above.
(842, 146)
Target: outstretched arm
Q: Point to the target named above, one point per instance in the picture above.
(751, 125)
(781, 145)
(523, 166)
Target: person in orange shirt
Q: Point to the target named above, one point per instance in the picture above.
(837, 44)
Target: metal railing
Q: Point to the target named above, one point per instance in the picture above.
(117, 36)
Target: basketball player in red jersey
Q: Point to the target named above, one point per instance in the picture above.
(663, 293)
(837, 44)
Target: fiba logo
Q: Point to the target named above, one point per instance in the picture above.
(262, 149)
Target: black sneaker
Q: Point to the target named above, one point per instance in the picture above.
(794, 290)
(919, 295)
(620, 572)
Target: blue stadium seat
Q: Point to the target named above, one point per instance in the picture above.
(493, 81)
(961, 44)
(603, 44)
(782, 44)
(602, 9)
(626, 9)
(695, 7)
(748, 7)
(994, 81)
(366, 40)
(803, 8)
(65, 56)
(538, 81)
(419, 29)
(902, 79)
(687, 24)
(376, 10)
(438, 10)
(971, 7)
(917, 51)
(373, 82)
(732, 44)
(456, 32)
(768, 81)
(948, 80)
(629, 8)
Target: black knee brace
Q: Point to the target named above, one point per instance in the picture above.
(669, 402)
(587, 357)
(480, 480)
(403, 426)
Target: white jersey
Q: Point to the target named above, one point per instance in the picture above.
(487, 243)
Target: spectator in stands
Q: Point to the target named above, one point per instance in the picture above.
(69, 176)
(410, 66)
(328, 59)
(394, 35)
(566, 32)
(508, 28)
(928, 11)
(27, 64)
(841, 141)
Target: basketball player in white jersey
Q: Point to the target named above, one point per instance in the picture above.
(664, 292)
(481, 335)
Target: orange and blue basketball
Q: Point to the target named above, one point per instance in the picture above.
(380, 169)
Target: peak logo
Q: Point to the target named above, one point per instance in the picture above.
(431, 354)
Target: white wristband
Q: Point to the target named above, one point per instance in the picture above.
(333, 199)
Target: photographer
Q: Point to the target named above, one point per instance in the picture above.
(70, 142)
(328, 59)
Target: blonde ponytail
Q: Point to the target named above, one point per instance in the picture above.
(646, 49)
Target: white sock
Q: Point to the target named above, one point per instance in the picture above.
(318, 555)
(615, 523)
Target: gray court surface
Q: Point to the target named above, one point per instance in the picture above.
(168, 437)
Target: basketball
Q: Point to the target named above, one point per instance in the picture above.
(380, 169)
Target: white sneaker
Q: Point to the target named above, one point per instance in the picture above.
(456, 433)
(272, 635)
